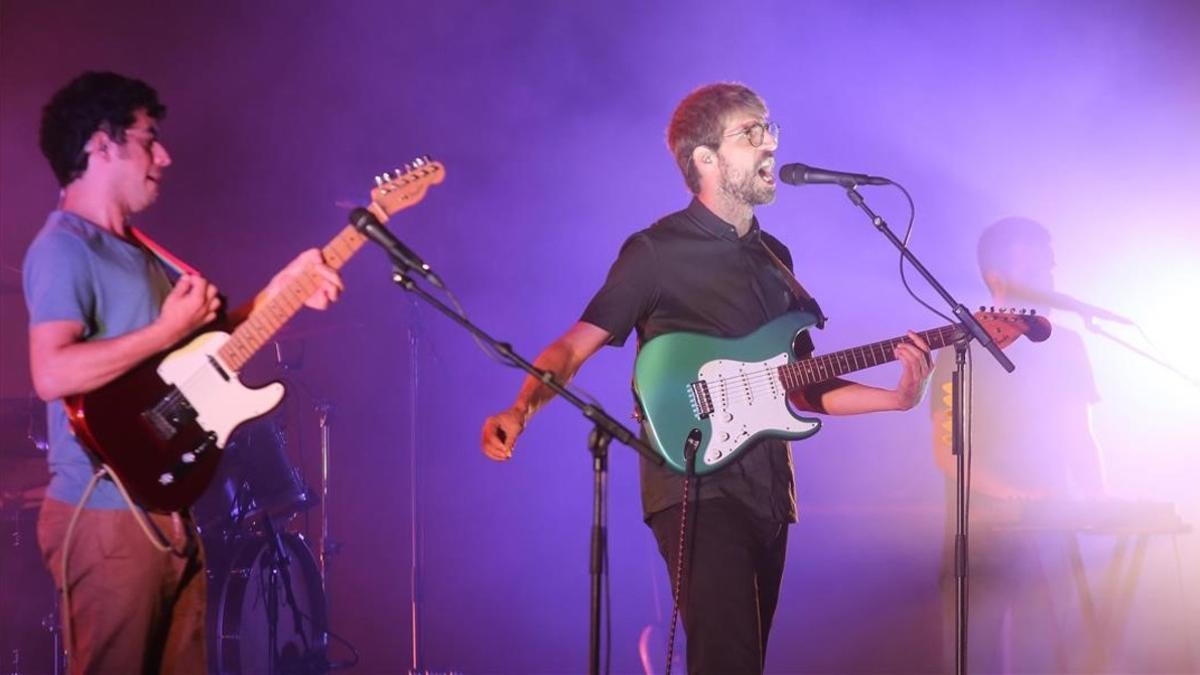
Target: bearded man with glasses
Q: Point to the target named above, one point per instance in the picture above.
(711, 269)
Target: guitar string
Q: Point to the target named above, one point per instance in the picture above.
(823, 367)
(766, 382)
(813, 370)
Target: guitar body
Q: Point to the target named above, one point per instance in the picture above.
(734, 391)
(161, 426)
(721, 386)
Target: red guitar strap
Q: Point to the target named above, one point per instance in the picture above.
(168, 259)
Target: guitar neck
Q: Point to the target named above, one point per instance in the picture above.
(266, 319)
(799, 374)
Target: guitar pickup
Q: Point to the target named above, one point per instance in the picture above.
(701, 400)
(169, 414)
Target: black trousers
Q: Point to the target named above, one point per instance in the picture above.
(733, 565)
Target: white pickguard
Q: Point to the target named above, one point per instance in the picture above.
(221, 404)
(747, 398)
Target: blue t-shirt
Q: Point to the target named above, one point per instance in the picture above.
(77, 271)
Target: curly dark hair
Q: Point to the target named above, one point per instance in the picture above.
(93, 101)
(699, 120)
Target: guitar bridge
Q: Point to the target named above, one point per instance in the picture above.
(701, 400)
(169, 414)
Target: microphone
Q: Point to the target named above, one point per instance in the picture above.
(803, 174)
(1069, 303)
(369, 225)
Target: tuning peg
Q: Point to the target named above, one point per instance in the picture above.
(379, 181)
(398, 171)
(982, 308)
(1032, 312)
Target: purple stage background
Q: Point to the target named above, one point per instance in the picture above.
(550, 119)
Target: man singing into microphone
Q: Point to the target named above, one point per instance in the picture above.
(710, 269)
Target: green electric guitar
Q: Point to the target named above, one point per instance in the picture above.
(734, 391)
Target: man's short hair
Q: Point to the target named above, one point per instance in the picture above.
(93, 101)
(700, 118)
(999, 243)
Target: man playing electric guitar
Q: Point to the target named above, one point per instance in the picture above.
(100, 303)
(710, 269)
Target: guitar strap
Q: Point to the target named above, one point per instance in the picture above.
(169, 260)
(806, 300)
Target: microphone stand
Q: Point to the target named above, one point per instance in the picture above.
(1090, 324)
(972, 330)
(415, 540)
(604, 430)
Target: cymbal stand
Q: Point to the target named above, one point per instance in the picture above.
(278, 573)
(329, 547)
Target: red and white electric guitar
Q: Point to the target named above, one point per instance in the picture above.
(161, 427)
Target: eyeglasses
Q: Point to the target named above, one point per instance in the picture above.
(148, 136)
(756, 132)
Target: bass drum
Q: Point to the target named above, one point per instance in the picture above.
(269, 610)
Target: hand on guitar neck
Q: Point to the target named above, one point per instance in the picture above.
(843, 397)
(326, 285)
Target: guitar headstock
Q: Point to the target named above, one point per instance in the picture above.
(1006, 325)
(401, 188)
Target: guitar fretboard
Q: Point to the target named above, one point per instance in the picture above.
(820, 368)
(268, 318)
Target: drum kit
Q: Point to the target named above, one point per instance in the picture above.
(266, 597)
(29, 635)
(267, 608)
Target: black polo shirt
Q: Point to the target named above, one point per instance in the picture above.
(691, 272)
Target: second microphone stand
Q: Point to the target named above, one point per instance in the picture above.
(605, 428)
(972, 330)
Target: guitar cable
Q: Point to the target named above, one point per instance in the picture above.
(689, 453)
(156, 539)
(68, 643)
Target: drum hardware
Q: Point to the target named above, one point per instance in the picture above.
(27, 645)
(289, 357)
(269, 610)
(254, 481)
(268, 598)
(26, 588)
(329, 547)
(52, 624)
(266, 603)
(278, 572)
